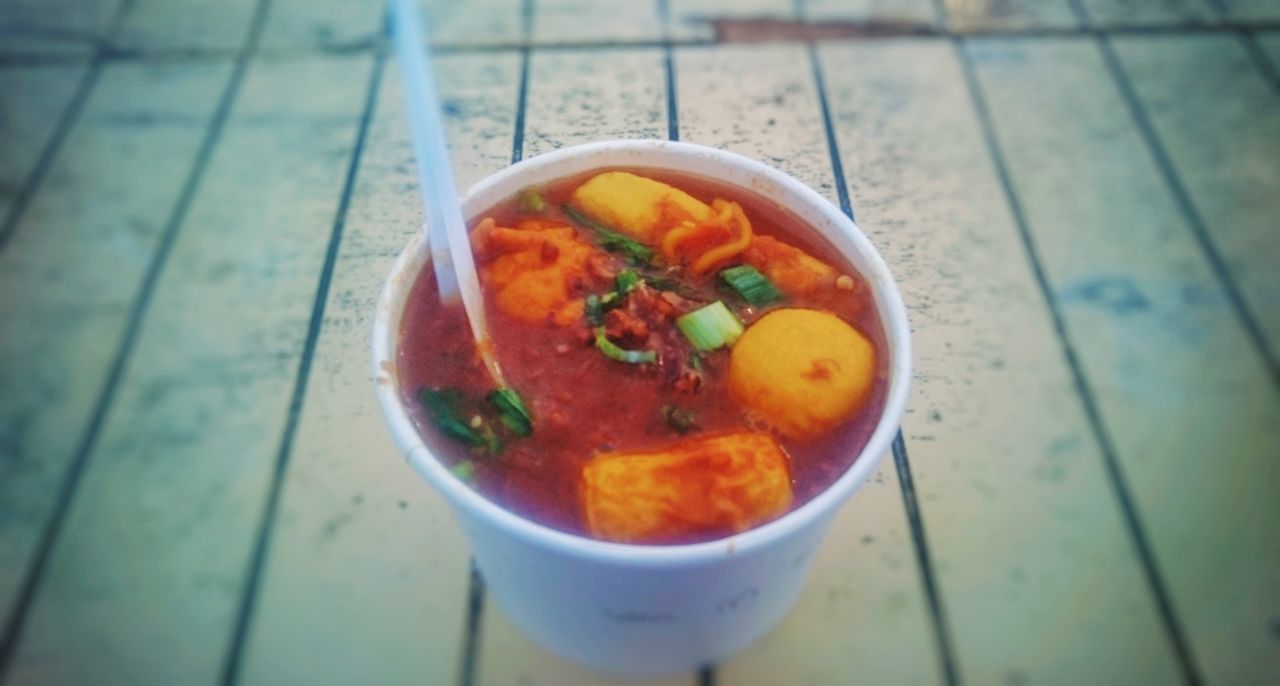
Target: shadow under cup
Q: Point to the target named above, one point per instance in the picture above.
(634, 610)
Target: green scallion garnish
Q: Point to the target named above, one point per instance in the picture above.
(512, 411)
(444, 407)
(613, 352)
(710, 327)
(625, 282)
(609, 239)
(748, 282)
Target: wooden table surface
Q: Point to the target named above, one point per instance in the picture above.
(1080, 199)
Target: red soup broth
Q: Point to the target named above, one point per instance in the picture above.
(584, 404)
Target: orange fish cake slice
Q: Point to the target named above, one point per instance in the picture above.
(726, 482)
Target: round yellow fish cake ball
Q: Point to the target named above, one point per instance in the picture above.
(804, 371)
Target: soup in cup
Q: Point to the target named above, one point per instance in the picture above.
(702, 359)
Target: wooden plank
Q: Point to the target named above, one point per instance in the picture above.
(145, 580)
(476, 22)
(1201, 371)
(343, 24)
(691, 19)
(1270, 43)
(574, 96)
(1219, 120)
(578, 96)
(35, 99)
(327, 24)
(62, 28)
(976, 16)
(596, 21)
(862, 617)
(1105, 13)
(882, 12)
(186, 24)
(73, 267)
(23, 44)
(508, 657)
(58, 19)
(1253, 10)
(364, 553)
(1036, 569)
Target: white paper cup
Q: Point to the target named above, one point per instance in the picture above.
(635, 610)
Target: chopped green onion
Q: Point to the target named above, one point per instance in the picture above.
(749, 283)
(626, 281)
(512, 411)
(465, 471)
(530, 201)
(679, 419)
(594, 310)
(710, 327)
(443, 406)
(613, 352)
(609, 239)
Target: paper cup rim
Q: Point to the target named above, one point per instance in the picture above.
(656, 155)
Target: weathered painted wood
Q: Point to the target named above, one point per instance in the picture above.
(1253, 10)
(883, 12)
(1148, 12)
(364, 553)
(757, 100)
(577, 96)
(476, 22)
(596, 21)
(344, 24)
(862, 617)
(1035, 568)
(63, 28)
(58, 19)
(691, 19)
(35, 98)
(1270, 43)
(186, 24)
(329, 24)
(26, 45)
(1002, 15)
(511, 658)
(71, 270)
(1219, 120)
(1193, 414)
(145, 580)
(574, 96)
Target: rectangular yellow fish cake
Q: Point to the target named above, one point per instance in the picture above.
(728, 482)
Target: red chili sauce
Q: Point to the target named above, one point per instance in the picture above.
(583, 403)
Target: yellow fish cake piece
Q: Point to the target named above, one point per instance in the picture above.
(805, 371)
(722, 483)
(639, 207)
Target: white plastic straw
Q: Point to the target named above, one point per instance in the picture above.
(455, 266)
